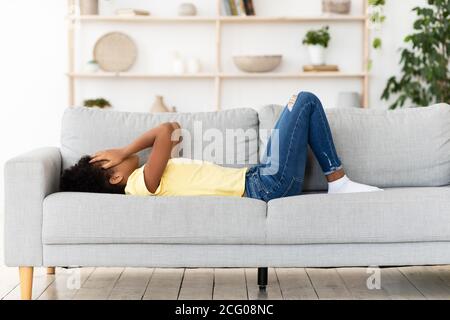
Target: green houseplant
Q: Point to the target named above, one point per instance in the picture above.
(317, 41)
(377, 17)
(99, 103)
(425, 77)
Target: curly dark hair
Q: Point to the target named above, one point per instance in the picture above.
(87, 177)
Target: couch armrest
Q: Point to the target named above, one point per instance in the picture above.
(29, 178)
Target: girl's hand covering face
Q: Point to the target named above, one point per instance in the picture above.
(109, 158)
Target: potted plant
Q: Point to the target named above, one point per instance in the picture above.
(377, 17)
(99, 103)
(317, 41)
(92, 66)
(425, 75)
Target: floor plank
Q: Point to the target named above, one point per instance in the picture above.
(355, 280)
(99, 284)
(67, 283)
(295, 284)
(397, 286)
(423, 282)
(164, 284)
(428, 282)
(197, 284)
(132, 284)
(229, 284)
(273, 291)
(443, 272)
(9, 279)
(328, 284)
(41, 281)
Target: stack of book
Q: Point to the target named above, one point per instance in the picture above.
(238, 7)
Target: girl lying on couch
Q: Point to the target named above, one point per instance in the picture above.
(302, 122)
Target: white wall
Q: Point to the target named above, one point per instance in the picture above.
(33, 89)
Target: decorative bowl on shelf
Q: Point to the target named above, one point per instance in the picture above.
(257, 63)
(336, 6)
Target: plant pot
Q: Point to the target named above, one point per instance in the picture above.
(89, 7)
(91, 66)
(316, 54)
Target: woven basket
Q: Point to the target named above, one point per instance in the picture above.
(115, 52)
(336, 6)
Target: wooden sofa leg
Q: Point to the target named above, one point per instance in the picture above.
(262, 278)
(50, 270)
(26, 282)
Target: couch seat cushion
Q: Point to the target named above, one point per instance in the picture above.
(394, 215)
(88, 218)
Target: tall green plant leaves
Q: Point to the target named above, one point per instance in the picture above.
(425, 64)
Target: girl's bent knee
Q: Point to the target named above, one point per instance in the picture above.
(306, 96)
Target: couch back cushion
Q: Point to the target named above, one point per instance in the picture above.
(401, 148)
(228, 137)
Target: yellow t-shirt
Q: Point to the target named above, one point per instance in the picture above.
(186, 177)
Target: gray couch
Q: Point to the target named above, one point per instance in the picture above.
(407, 152)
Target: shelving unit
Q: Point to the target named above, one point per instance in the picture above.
(278, 75)
(218, 75)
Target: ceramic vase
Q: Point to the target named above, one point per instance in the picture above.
(187, 9)
(89, 7)
(177, 63)
(159, 105)
(193, 65)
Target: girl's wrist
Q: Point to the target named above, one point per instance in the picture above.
(126, 152)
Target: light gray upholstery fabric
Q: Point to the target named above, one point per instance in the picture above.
(394, 215)
(406, 148)
(76, 218)
(401, 148)
(28, 179)
(85, 131)
(320, 255)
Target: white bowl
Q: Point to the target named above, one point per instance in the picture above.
(257, 63)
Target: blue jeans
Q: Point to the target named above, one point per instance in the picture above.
(282, 169)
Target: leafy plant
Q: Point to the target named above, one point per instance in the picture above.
(100, 103)
(376, 18)
(319, 37)
(425, 75)
(377, 2)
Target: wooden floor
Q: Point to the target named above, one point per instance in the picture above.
(427, 282)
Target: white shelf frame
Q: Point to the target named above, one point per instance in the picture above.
(218, 75)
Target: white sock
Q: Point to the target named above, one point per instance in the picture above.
(345, 185)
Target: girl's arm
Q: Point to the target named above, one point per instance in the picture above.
(114, 157)
(148, 139)
(158, 158)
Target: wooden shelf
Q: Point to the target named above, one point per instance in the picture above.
(224, 19)
(292, 19)
(299, 75)
(144, 19)
(129, 75)
(269, 75)
(219, 22)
